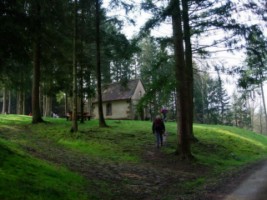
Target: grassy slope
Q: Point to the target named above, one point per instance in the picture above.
(24, 177)
(219, 148)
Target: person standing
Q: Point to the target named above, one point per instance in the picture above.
(158, 128)
(164, 112)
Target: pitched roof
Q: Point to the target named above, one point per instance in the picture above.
(118, 91)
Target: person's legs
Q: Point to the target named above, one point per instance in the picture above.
(159, 139)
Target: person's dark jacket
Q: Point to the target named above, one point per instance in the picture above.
(158, 126)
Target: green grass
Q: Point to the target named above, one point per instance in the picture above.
(24, 177)
(220, 149)
(103, 150)
(226, 147)
(14, 119)
(120, 142)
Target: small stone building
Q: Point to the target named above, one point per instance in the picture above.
(120, 100)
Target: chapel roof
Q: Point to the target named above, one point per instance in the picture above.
(119, 91)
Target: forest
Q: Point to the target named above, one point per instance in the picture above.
(57, 55)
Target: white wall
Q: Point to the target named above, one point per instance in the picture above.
(120, 110)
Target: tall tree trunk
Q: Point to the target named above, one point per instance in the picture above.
(189, 68)
(81, 96)
(181, 84)
(20, 102)
(47, 106)
(23, 103)
(43, 105)
(66, 103)
(81, 80)
(260, 114)
(102, 122)
(74, 127)
(21, 93)
(4, 101)
(264, 106)
(9, 102)
(36, 114)
(252, 114)
(42, 100)
(203, 101)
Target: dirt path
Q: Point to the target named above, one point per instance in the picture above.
(158, 177)
(134, 181)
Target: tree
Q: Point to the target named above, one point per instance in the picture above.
(45, 26)
(74, 127)
(218, 101)
(36, 113)
(156, 72)
(181, 82)
(4, 101)
(209, 14)
(254, 73)
(19, 26)
(14, 50)
(241, 112)
(211, 100)
(189, 66)
(102, 122)
(200, 96)
(85, 52)
(222, 97)
(56, 53)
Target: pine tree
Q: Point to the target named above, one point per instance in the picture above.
(254, 73)
(102, 122)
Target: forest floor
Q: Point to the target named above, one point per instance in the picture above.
(159, 177)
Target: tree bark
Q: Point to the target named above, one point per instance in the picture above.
(102, 122)
(81, 96)
(19, 102)
(9, 102)
(47, 106)
(264, 106)
(36, 114)
(81, 79)
(181, 84)
(189, 68)
(43, 104)
(74, 127)
(4, 101)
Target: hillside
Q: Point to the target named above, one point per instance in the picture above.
(46, 161)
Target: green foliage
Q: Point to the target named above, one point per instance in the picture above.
(157, 74)
(254, 72)
(241, 111)
(211, 100)
(18, 27)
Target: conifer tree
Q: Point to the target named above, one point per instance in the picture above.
(102, 122)
(74, 127)
(37, 39)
